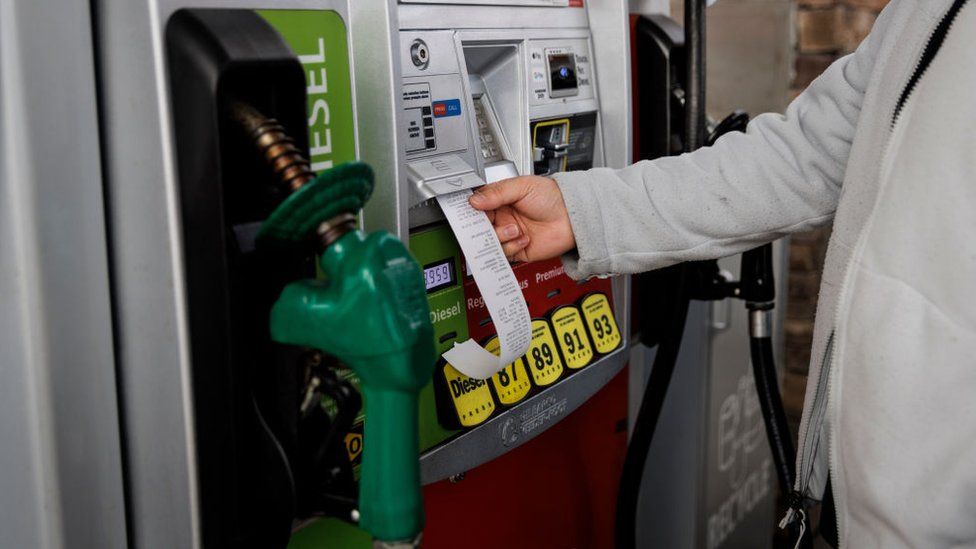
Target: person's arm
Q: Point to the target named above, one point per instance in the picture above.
(782, 175)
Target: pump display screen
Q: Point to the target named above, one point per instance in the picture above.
(562, 71)
(439, 275)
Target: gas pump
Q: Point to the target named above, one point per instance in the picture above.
(271, 171)
(276, 410)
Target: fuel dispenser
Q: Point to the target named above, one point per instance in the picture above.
(283, 281)
(274, 342)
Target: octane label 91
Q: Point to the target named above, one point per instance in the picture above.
(471, 397)
(543, 356)
(511, 382)
(571, 337)
(603, 326)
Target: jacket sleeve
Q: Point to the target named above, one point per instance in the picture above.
(782, 175)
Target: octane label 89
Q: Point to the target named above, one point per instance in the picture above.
(571, 337)
(543, 356)
(599, 319)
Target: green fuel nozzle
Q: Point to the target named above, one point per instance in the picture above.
(370, 312)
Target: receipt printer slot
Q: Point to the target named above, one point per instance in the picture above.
(442, 175)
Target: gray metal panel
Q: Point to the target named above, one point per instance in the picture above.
(669, 505)
(147, 260)
(610, 29)
(376, 71)
(420, 16)
(60, 464)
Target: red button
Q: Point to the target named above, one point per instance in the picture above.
(440, 109)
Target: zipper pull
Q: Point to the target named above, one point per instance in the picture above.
(795, 510)
(788, 518)
(794, 505)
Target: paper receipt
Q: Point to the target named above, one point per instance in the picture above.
(498, 285)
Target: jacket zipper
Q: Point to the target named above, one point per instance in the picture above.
(932, 47)
(798, 499)
(817, 413)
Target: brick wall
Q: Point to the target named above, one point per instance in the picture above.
(825, 30)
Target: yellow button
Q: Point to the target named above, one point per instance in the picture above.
(571, 336)
(511, 382)
(542, 357)
(471, 397)
(599, 319)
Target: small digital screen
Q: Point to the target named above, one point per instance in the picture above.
(439, 275)
(562, 71)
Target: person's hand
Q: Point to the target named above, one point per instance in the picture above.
(529, 216)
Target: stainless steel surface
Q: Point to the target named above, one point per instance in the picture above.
(495, 70)
(60, 458)
(439, 175)
(610, 30)
(493, 2)
(424, 89)
(419, 54)
(377, 80)
(490, 16)
(761, 324)
(147, 256)
(670, 502)
(521, 423)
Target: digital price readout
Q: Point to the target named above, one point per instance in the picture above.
(439, 275)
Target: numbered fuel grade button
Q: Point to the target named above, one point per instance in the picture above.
(471, 397)
(571, 336)
(511, 382)
(599, 319)
(542, 357)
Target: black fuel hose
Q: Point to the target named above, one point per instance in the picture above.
(770, 402)
(771, 406)
(695, 120)
(757, 288)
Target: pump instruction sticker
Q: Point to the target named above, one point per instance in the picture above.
(543, 357)
(498, 285)
(571, 336)
(511, 382)
(603, 326)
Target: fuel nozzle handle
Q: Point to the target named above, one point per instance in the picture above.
(370, 312)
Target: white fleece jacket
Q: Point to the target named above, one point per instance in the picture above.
(890, 408)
